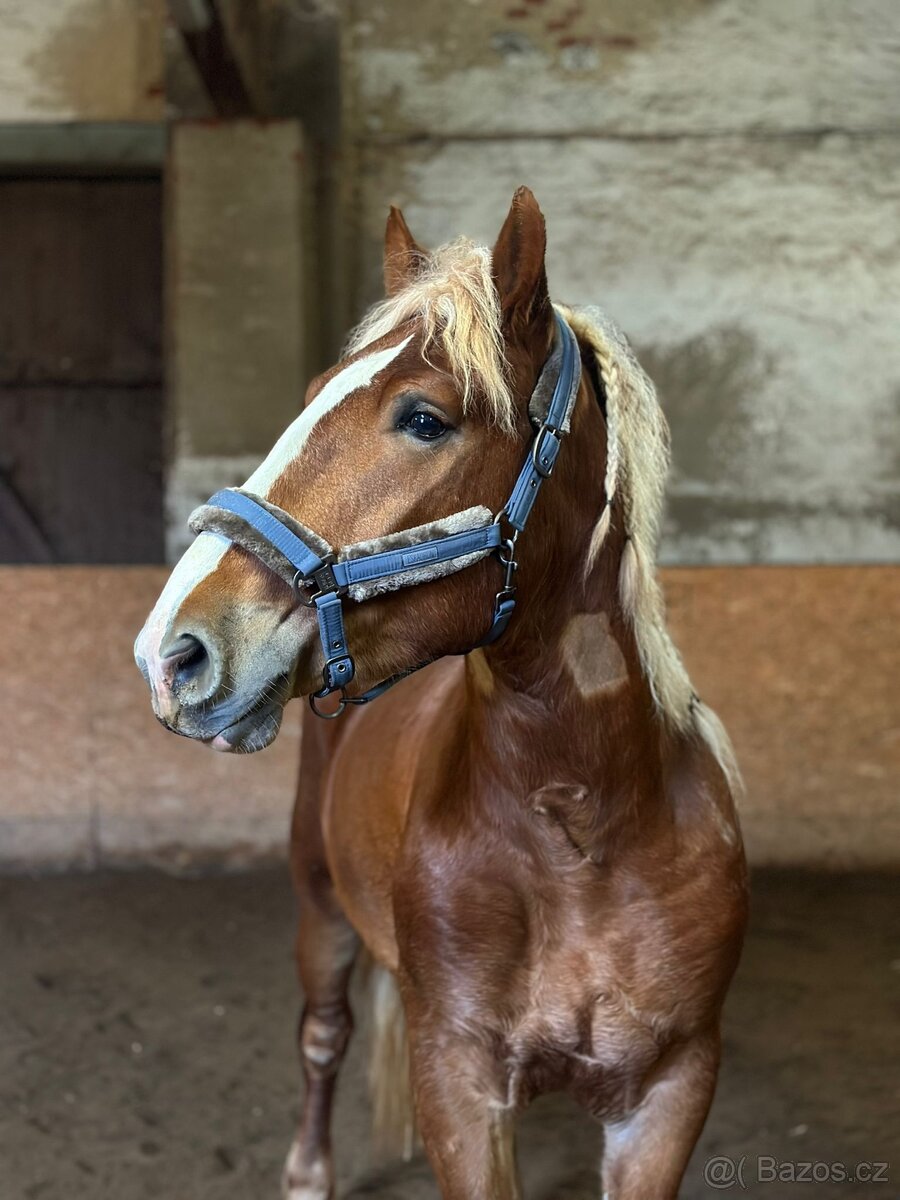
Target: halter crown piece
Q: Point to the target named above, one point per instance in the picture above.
(326, 576)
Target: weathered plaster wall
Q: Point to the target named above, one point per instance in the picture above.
(725, 179)
(81, 60)
(622, 67)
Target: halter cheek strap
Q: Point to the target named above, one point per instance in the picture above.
(307, 562)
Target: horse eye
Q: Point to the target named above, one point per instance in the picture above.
(425, 425)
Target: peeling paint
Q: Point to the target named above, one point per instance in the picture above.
(624, 68)
(82, 60)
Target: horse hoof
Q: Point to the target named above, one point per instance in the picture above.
(305, 1180)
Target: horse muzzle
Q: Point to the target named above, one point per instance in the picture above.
(193, 696)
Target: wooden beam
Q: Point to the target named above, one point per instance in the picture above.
(206, 39)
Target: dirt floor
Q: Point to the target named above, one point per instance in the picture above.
(147, 1049)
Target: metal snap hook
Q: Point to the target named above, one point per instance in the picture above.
(508, 561)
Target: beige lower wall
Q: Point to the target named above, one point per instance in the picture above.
(89, 777)
(800, 662)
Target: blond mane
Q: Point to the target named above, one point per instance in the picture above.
(637, 464)
(454, 297)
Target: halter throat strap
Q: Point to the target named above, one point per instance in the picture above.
(308, 563)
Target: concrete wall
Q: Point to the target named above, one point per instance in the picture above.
(88, 776)
(81, 60)
(724, 178)
(237, 244)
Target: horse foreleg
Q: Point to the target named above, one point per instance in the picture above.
(464, 1120)
(645, 1155)
(325, 951)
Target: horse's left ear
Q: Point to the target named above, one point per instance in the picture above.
(403, 256)
(518, 264)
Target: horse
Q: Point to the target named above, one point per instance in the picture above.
(533, 829)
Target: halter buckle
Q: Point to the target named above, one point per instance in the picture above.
(545, 450)
(321, 582)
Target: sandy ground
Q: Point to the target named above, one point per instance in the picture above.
(147, 1047)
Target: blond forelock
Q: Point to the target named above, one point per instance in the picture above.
(454, 297)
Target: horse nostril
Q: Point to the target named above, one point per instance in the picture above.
(184, 659)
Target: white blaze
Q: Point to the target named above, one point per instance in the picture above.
(199, 560)
(205, 553)
(290, 444)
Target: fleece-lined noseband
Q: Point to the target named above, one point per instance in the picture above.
(408, 557)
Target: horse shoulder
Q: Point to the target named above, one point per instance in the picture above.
(377, 767)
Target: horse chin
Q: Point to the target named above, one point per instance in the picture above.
(255, 731)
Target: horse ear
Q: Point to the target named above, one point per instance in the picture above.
(402, 254)
(518, 264)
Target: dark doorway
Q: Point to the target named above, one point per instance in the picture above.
(81, 396)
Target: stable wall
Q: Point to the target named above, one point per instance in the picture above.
(238, 245)
(81, 60)
(723, 177)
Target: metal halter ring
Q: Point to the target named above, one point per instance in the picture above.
(305, 590)
(321, 695)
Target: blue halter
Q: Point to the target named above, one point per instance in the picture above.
(328, 577)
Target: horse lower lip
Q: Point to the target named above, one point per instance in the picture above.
(229, 738)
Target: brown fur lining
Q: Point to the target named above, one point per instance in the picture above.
(212, 519)
(539, 404)
(470, 518)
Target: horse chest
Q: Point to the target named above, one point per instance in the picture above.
(583, 1008)
(549, 976)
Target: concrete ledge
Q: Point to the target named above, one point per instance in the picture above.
(83, 147)
(800, 662)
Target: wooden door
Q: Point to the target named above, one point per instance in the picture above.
(81, 396)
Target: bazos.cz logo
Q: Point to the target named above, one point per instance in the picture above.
(722, 1172)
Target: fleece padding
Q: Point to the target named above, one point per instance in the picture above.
(470, 518)
(539, 404)
(212, 519)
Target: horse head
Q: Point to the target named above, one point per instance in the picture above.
(421, 426)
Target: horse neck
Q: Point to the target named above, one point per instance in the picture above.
(561, 698)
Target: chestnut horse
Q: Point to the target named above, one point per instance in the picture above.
(537, 838)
